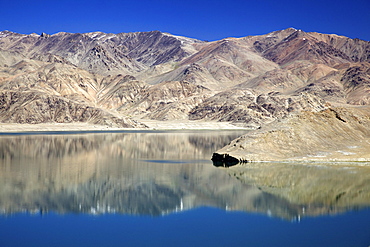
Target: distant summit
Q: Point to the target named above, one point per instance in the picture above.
(45, 35)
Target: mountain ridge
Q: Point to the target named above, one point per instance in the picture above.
(248, 81)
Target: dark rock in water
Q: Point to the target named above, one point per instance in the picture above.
(224, 160)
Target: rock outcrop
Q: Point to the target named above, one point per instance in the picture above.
(334, 134)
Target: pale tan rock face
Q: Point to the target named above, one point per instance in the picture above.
(34, 108)
(336, 134)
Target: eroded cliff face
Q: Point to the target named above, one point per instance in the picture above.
(34, 108)
(248, 108)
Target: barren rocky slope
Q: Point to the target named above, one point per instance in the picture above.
(336, 134)
(111, 78)
(33, 107)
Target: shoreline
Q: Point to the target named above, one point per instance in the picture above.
(85, 127)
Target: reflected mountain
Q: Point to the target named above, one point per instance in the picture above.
(319, 188)
(159, 173)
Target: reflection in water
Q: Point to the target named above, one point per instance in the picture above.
(317, 188)
(158, 173)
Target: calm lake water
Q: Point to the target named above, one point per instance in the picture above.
(158, 188)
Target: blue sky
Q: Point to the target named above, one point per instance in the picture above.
(205, 20)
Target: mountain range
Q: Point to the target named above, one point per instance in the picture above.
(69, 77)
(119, 79)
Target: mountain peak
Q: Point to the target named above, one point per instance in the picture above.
(45, 35)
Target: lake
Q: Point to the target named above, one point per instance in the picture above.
(160, 188)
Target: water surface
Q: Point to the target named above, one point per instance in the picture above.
(161, 189)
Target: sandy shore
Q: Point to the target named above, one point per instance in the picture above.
(152, 124)
(186, 124)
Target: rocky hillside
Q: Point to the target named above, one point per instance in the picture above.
(336, 134)
(112, 78)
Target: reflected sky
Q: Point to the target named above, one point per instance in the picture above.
(202, 226)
